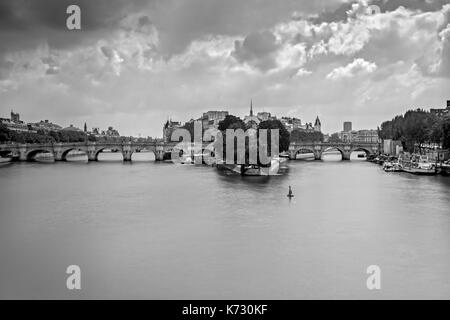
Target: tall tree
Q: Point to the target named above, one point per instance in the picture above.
(446, 132)
(284, 136)
(231, 122)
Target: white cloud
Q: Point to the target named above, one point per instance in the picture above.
(355, 68)
(302, 72)
(397, 57)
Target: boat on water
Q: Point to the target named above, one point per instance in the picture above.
(5, 160)
(380, 159)
(252, 169)
(417, 164)
(391, 166)
(290, 195)
(186, 159)
(445, 168)
(371, 158)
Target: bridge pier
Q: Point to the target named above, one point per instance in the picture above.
(159, 153)
(58, 152)
(23, 152)
(292, 154)
(346, 155)
(58, 156)
(318, 155)
(127, 155)
(127, 151)
(92, 155)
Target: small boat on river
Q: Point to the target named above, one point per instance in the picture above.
(5, 159)
(253, 169)
(417, 164)
(445, 168)
(391, 166)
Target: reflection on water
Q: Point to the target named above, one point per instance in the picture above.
(157, 230)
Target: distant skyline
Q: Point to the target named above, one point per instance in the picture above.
(137, 63)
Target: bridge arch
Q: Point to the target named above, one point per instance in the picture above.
(332, 148)
(31, 154)
(141, 151)
(304, 150)
(366, 150)
(99, 150)
(65, 152)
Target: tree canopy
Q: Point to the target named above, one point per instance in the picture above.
(231, 122)
(416, 127)
(283, 133)
(41, 136)
(299, 135)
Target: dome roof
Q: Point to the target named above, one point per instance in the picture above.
(72, 128)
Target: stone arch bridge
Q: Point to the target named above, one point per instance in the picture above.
(27, 152)
(318, 148)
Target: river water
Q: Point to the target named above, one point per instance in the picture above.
(158, 230)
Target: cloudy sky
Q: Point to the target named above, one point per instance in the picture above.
(137, 63)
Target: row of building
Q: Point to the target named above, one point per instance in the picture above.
(211, 119)
(358, 136)
(14, 123)
(442, 112)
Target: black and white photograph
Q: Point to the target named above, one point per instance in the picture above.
(224, 150)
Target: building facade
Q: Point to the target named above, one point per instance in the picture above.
(211, 119)
(292, 124)
(14, 123)
(168, 128)
(363, 136)
(441, 112)
(45, 125)
(347, 126)
(368, 136)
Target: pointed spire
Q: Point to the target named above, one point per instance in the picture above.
(251, 108)
(317, 121)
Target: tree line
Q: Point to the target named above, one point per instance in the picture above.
(235, 123)
(42, 136)
(417, 127)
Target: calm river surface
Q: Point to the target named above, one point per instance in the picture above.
(158, 230)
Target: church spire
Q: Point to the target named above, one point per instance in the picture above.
(251, 108)
(317, 123)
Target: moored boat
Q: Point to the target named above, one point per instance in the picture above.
(253, 169)
(391, 166)
(417, 164)
(444, 168)
(186, 159)
(5, 159)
